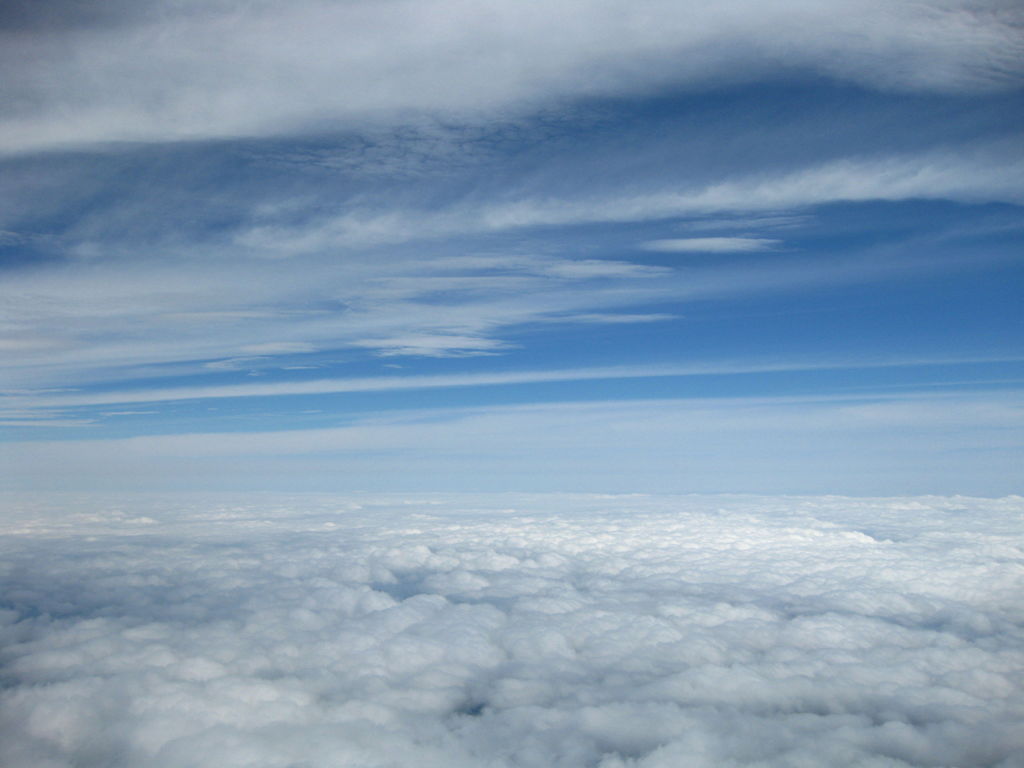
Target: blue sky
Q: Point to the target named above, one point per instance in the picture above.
(767, 247)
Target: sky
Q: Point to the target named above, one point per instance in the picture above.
(754, 247)
(563, 384)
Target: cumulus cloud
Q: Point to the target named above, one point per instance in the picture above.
(511, 631)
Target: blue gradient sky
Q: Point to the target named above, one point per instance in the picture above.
(648, 246)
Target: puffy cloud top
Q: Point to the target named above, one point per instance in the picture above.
(512, 631)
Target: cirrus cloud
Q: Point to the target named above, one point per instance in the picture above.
(711, 245)
(203, 70)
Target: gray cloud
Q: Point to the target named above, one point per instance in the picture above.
(511, 631)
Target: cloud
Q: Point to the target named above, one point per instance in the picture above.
(436, 345)
(169, 261)
(110, 319)
(510, 631)
(193, 70)
(44, 422)
(971, 173)
(711, 245)
(106, 318)
(277, 348)
(62, 399)
(613, 319)
(767, 221)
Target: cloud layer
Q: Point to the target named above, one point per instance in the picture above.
(511, 631)
(196, 70)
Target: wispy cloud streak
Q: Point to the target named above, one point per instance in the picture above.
(412, 382)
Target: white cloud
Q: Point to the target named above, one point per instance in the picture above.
(187, 302)
(44, 422)
(63, 399)
(766, 221)
(433, 345)
(101, 320)
(277, 348)
(613, 319)
(711, 245)
(511, 631)
(190, 70)
(110, 320)
(983, 173)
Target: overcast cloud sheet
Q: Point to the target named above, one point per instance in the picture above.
(536, 631)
